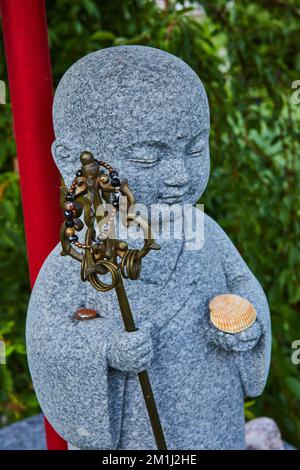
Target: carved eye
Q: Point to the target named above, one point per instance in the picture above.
(147, 156)
(145, 161)
(198, 144)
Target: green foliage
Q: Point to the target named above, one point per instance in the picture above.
(16, 392)
(247, 55)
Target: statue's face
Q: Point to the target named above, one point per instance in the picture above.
(143, 111)
(170, 169)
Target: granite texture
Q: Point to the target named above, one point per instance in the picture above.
(263, 434)
(146, 113)
(28, 434)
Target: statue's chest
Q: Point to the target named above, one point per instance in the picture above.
(195, 279)
(183, 288)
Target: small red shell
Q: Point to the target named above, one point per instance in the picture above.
(84, 314)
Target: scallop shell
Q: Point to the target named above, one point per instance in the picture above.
(231, 313)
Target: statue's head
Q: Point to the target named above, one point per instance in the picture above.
(142, 110)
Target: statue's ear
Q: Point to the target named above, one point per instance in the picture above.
(65, 153)
(61, 150)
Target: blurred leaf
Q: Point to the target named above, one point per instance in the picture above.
(294, 386)
(103, 36)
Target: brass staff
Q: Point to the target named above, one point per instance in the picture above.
(90, 188)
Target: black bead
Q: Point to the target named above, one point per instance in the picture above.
(79, 173)
(115, 181)
(115, 203)
(70, 197)
(68, 214)
(70, 223)
(113, 173)
(73, 238)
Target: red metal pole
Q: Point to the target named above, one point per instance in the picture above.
(30, 84)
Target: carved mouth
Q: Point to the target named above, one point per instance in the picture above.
(173, 197)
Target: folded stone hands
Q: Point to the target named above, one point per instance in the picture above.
(131, 351)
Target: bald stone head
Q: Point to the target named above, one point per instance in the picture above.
(142, 110)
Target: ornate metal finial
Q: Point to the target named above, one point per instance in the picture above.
(103, 253)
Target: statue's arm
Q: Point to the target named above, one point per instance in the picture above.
(251, 347)
(79, 393)
(78, 368)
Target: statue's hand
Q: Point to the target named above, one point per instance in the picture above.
(238, 342)
(131, 352)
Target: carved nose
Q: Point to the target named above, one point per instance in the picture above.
(176, 174)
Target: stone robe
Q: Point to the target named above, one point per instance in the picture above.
(199, 380)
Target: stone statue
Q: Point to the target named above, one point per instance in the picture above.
(145, 112)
